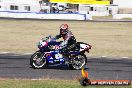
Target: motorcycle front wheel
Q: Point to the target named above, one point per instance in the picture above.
(37, 60)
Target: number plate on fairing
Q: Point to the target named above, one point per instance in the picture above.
(58, 56)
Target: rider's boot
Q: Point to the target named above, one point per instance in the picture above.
(67, 59)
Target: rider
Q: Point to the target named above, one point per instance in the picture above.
(69, 39)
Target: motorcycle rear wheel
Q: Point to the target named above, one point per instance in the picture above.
(78, 62)
(37, 60)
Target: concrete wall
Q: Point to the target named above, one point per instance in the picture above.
(95, 13)
(34, 15)
(121, 16)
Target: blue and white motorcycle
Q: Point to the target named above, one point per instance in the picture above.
(49, 54)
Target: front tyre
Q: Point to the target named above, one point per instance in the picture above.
(78, 62)
(37, 60)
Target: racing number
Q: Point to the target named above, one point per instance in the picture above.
(58, 56)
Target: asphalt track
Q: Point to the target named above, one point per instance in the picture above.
(17, 66)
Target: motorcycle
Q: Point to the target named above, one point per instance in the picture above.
(49, 54)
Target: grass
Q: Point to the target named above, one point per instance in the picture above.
(127, 19)
(48, 84)
(109, 18)
(102, 17)
(107, 38)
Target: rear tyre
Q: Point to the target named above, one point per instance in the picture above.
(37, 60)
(78, 62)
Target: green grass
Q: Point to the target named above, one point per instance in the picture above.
(48, 84)
(107, 38)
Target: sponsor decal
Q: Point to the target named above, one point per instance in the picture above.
(85, 81)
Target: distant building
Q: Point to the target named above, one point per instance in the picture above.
(98, 10)
(20, 5)
(125, 6)
(94, 10)
(123, 3)
(37, 9)
(116, 6)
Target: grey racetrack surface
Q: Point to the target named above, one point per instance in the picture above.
(17, 66)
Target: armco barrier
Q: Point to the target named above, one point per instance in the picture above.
(36, 15)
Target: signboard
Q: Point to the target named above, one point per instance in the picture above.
(101, 2)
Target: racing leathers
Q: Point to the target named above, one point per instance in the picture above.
(68, 43)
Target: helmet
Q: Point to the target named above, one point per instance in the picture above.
(64, 29)
(64, 26)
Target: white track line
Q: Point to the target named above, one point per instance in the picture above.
(28, 53)
(125, 57)
(4, 52)
(103, 56)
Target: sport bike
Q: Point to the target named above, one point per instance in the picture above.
(49, 54)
